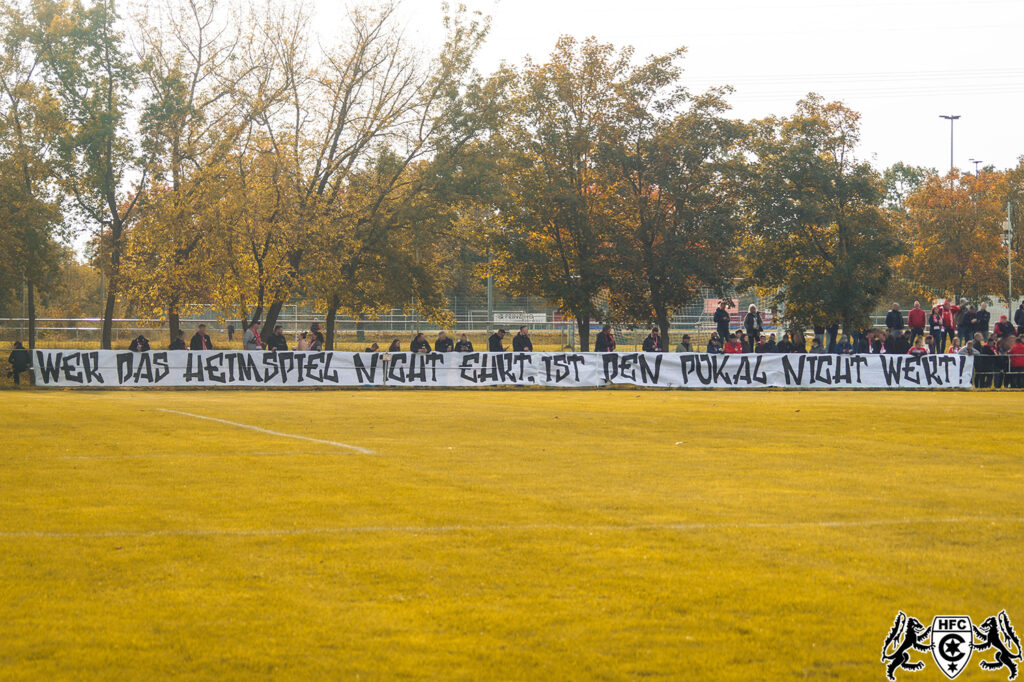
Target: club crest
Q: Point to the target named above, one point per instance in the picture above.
(951, 643)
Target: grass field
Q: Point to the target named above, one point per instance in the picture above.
(510, 535)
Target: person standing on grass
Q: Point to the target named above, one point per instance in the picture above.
(179, 342)
(494, 343)
(140, 344)
(521, 342)
(894, 319)
(722, 320)
(652, 344)
(201, 340)
(916, 320)
(276, 341)
(464, 345)
(605, 341)
(753, 325)
(443, 344)
(20, 361)
(251, 339)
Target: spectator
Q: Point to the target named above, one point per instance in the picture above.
(714, 343)
(929, 342)
(395, 346)
(982, 319)
(494, 343)
(1003, 327)
(973, 348)
(276, 341)
(949, 316)
(785, 345)
(684, 346)
(179, 342)
(251, 339)
(918, 349)
(744, 341)
(964, 323)
(986, 364)
(816, 347)
(1018, 318)
(521, 342)
(303, 342)
(1016, 377)
(753, 325)
(799, 342)
(419, 344)
(372, 348)
(954, 345)
(652, 344)
(231, 332)
(316, 338)
(20, 361)
(464, 345)
(877, 343)
(770, 345)
(605, 341)
(862, 344)
(200, 340)
(443, 344)
(936, 328)
(894, 319)
(722, 320)
(831, 336)
(140, 344)
(916, 320)
(902, 343)
(733, 345)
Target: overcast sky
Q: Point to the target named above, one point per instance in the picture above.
(900, 63)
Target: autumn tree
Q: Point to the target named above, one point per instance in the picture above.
(674, 164)
(955, 227)
(819, 236)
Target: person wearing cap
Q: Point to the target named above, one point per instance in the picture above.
(652, 344)
(1003, 327)
(251, 339)
(605, 341)
(276, 341)
(316, 337)
(521, 342)
(494, 343)
(684, 346)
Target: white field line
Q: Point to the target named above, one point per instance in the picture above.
(280, 434)
(148, 455)
(491, 528)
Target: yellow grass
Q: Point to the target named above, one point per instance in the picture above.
(538, 535)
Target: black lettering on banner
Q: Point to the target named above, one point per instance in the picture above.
(330, 374)
(719, 362)
(161, 366)
(197, 373)
(556, 368)
(687, 364)
(71, 368)
(145, 369)
(705, 362)
(417, 367)
(231, 359)
(523, 359)
(912, 370)
(314, 367)
(396, 372)
(247, 369)
(646, 374)
(49, 365)
(929, 366)
(946, 361)
(963, 364)
(626, 369)
(859, 361)
(300, 361)
(743, 372)
(501, 368)
(364, 376)
(759, 376)
(843, 370)
(467, 371)
(609, 361)
(285, 364)
(824, 362)
(270, 367)
(793, 377)
(892, 368)
(91, 366)
(214, 367)
(125, 365)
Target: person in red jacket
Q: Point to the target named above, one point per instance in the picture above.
(733, 345)
(1003, 327)
(949, 315)
(1016, 353)
(916, 320)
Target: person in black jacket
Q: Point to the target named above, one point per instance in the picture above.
(140, 344)
(276, 341)
(785, 345)
(494, 343)
(714, 344)
(464, 345)
(1018, 318)
(179, 342)
(894, 320)
(652, 344)
(722, 321)
(443, 344)
(605, 341)
(316, 337)
(372, 348)
(200, 340)
(753, 325)
(419, 344)
(395, 347)
(521, 342)
(981, 321)
(20, 361)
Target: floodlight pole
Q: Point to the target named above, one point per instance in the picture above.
(950, 118)
(1008, 234)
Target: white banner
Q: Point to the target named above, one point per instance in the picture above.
(105, 368)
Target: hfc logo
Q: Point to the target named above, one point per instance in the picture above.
(952, 640)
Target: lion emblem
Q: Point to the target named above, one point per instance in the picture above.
(907, 634)
(997, 633)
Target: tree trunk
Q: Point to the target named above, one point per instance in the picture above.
(108, 318)
(661, 313)
(332, 314)
(583, 327)
(247, 321)
(31, 301)
(273, 312)
(173, 322)
(360, 332)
